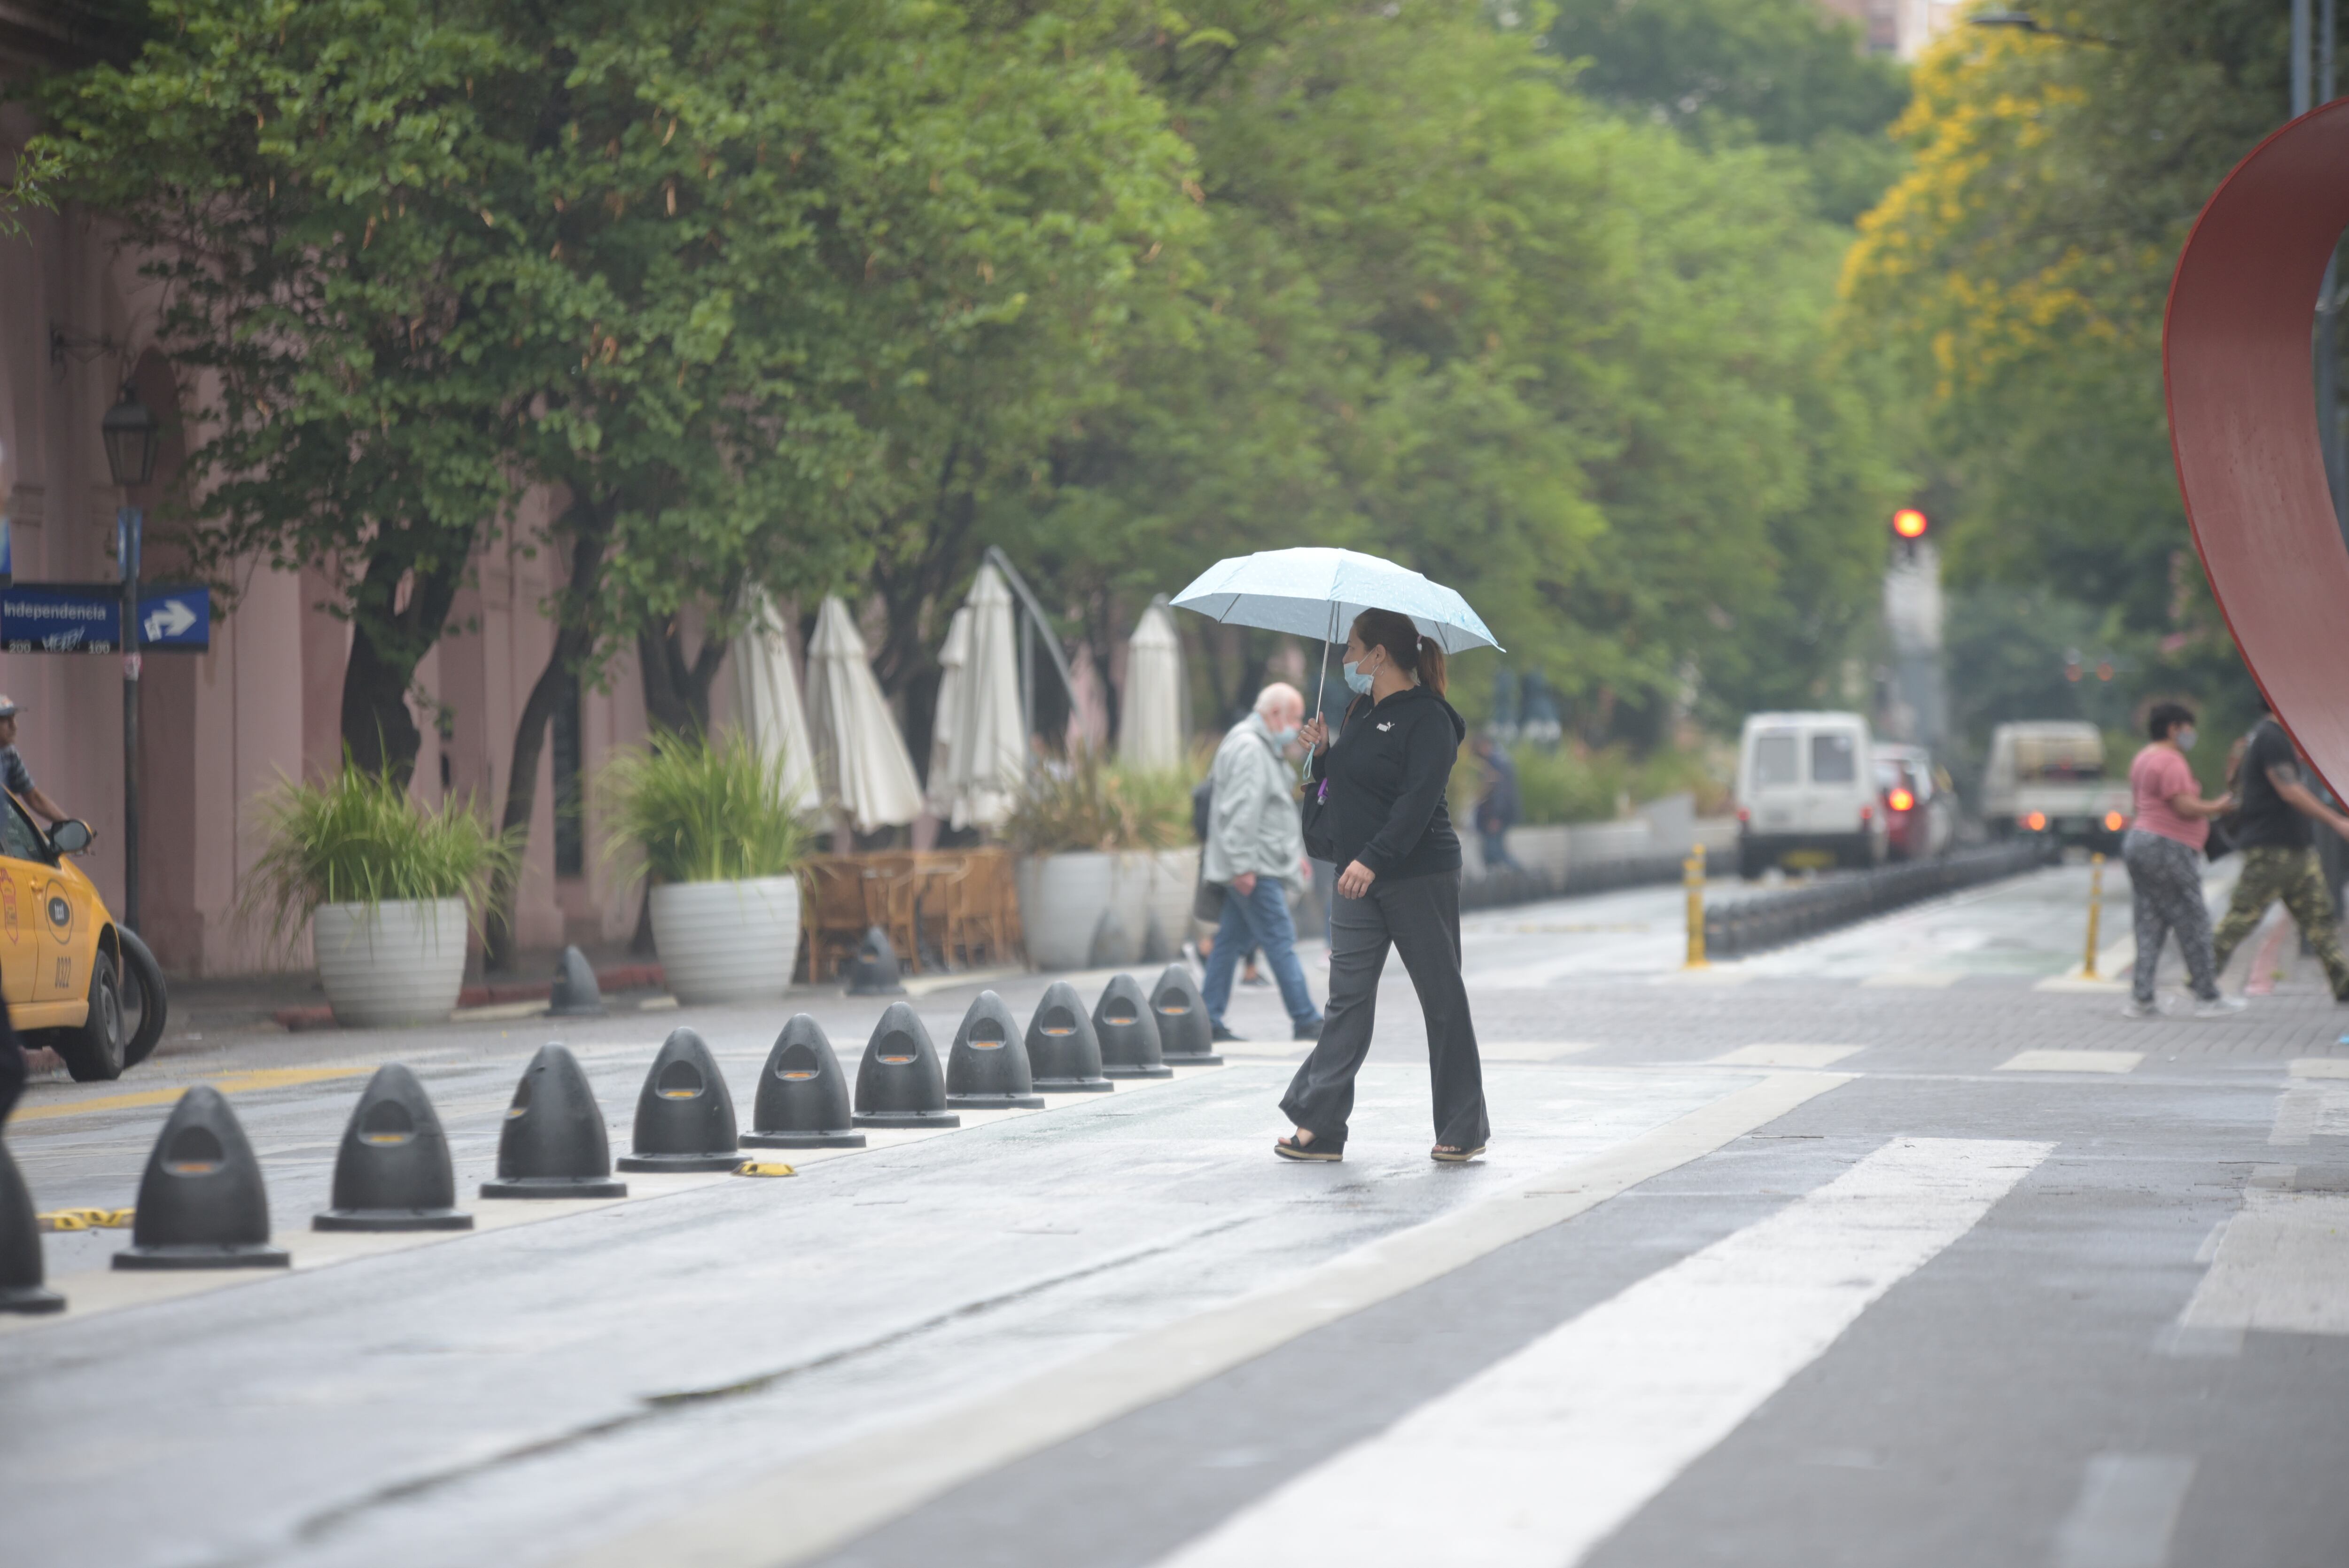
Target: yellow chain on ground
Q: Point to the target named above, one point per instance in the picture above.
(763, 1167)
(88, 1219)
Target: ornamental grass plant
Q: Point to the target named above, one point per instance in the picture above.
(695, 810)
(1090, 804)
(360, 838)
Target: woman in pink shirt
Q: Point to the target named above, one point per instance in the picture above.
(2163, 851)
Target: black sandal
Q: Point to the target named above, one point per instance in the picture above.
(1444, 1154)
(1290, 1149)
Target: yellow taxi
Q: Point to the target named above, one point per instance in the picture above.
(62, 958)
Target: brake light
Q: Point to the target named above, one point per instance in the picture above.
(2114, 821)
(2037, 821)
(1900, 800)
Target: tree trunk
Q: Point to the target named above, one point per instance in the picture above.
(387, 641)
(677, 689)
(660, 664)
(574, 635)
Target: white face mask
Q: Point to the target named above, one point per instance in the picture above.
(1357, 681)
(2185, 737)
(1284, 738)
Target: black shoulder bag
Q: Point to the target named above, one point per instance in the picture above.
(1314, 811)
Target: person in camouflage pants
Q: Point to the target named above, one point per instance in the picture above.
(2273, 872)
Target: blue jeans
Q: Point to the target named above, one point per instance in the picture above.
(1259, 919)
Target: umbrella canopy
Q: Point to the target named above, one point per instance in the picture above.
(767, 695)
(1150, 729)
(862, 766)
(990, 760)
(944, 715)
(1316, 591)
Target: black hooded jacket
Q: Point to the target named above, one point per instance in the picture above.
(1386, 774)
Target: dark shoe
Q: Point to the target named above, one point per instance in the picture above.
(1222, 1036)
(1290, 1149)
(1311, 1031)
(1443, 1155)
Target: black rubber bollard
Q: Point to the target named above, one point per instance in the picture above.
(874, 972)
(987, 1066)
(803, 1101)
(552, 1143)
(1128, 1032)
(1186, 1035)
(392, 1172)
(202, 1203)
(21, 1289)
(576, 992)
(685, 1117)
(1064, 1053)
(899, 1084)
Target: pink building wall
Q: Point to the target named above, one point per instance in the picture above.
(221, 728)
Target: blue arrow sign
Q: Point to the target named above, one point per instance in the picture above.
(86, 618)
(176, 618)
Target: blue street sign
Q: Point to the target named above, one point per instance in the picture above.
(61, 618)
(86, 618)
(178, 618)
(7, 555)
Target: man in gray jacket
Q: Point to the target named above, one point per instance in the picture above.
(1254, 851)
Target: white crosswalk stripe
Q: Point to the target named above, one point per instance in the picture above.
(1535, 1460)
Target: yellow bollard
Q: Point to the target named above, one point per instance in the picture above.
(2095, 914)
(1692, 870)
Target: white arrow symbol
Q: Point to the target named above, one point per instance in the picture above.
(170, 621)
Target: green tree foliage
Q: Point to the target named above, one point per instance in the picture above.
(1725, 73)
(700, 273)
(1450, 312)
(2018, 275)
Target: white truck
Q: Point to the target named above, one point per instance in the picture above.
(1807, 793)
(2048, 778)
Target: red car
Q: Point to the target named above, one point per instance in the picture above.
(1920, 808)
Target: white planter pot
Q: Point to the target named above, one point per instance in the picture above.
(1088, 909)
(401, 962)
(727, 941)
(1174, 887)
(1063, 899)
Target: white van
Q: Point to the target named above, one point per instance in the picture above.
(1807, 792)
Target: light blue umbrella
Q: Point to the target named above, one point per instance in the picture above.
(1316, 591)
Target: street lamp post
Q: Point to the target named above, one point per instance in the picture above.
(130, 434)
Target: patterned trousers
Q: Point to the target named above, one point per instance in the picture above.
(2294, 876)
(2166, 896)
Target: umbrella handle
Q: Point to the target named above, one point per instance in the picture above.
(1305, 768)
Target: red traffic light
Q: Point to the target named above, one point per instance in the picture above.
(1910, 524)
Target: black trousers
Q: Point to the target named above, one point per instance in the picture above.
(1420, 918)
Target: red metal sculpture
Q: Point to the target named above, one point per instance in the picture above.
(2242, 422)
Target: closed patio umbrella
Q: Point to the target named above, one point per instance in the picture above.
(767, 695)
(947, 714)
(989, 761)
(1150, 729)
(862, 765)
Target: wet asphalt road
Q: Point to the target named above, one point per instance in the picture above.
(1816, 1259)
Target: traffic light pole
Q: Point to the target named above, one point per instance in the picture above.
(129, 524)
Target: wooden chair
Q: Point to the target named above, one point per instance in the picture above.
(984, 908)
(835, 917)
(892, 882)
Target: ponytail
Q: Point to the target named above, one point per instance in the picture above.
(1413, 654)
(1431, 664)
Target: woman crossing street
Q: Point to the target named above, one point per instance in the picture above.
(1380, 795)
